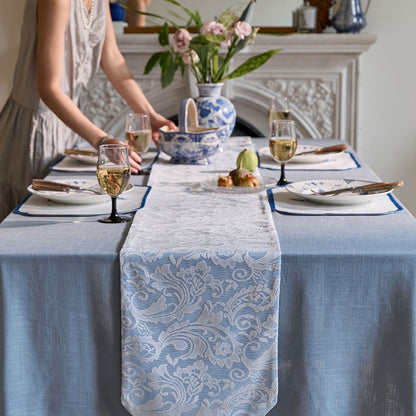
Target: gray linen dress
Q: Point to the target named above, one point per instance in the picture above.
(31, 135)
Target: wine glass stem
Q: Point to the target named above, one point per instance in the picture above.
(282, 179)
(114, 216)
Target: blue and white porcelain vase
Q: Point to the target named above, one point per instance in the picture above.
(214, 110)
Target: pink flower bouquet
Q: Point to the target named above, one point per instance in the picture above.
(210, 51)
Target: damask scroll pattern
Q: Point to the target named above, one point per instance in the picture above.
(200, 289)
(314, 98)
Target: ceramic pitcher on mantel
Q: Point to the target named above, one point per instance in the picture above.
(349, 17)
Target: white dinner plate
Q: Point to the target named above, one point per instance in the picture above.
(74, 197)
(87, 159)
(264, 183)
(308, 158)
(304, 189)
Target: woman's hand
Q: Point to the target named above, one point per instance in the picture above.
(157, 121)
(134, 157)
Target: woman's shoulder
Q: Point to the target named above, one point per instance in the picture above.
(56, 11)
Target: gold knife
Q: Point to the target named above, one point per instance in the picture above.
(44, 185)
(323, 150)
(372, 188)
(81, 152)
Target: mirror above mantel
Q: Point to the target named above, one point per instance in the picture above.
(270, 15)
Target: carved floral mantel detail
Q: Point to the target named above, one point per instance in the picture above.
(319, 73)
(103, 103)
(313, 98)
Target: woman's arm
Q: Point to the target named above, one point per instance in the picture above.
(117, 71)
(53, 17)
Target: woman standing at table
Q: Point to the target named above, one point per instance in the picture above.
(63, 44)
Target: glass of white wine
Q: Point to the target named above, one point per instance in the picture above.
(279, 109)
(113, 173)
(138, 132)
(282, 144)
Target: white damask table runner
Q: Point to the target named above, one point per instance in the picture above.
(200, 279)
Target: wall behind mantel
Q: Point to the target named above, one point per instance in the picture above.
(387, 112)
(387, 122)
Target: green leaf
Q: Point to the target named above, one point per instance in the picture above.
(165, 60)
(194, 16)
(251, 64)
(248, 12)
(156, 16)
(164, 35)
(198, 21)
(152, 62)
(168, 73)
(217, 39)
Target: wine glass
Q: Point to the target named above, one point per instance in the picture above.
(279, 109)
(113, 173)
(282, 144)
(138, 132)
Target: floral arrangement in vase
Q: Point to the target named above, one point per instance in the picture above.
(211, 50)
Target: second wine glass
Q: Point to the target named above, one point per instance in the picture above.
(282, 144)
(279, 109)
(138, 132)
(113, 174)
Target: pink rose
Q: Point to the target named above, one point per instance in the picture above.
(242, 29)
(213, 28)
(227, 42)
(190, 57)
(181, 40)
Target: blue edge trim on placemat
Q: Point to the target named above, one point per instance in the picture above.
(278, 167)
(17, 209)
(273, 207)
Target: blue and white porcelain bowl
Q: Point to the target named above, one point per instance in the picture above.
(191, 144)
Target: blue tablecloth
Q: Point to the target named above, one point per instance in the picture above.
(346, 322)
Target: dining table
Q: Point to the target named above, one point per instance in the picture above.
(345, 286)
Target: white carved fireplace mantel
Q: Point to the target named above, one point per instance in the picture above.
(319, 73)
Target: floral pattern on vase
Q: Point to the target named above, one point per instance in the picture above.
(214, 110)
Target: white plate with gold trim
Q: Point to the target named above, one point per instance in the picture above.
(310, 190)
(76, 197)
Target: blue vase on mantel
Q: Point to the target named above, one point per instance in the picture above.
(349, 17)
(214, 110)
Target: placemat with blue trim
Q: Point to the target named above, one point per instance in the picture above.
(287, 203)
(34, 205)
